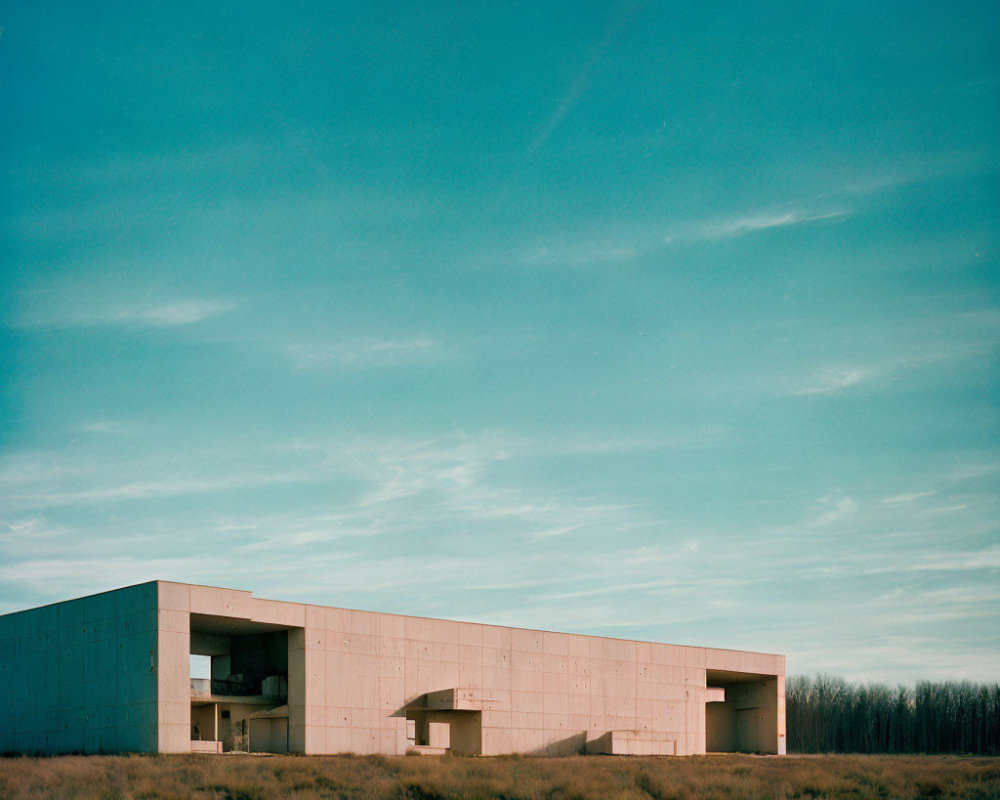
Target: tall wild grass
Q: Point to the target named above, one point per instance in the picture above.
(730, 777)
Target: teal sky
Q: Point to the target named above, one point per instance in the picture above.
(675, 322)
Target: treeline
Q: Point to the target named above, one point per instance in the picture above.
(829, 715)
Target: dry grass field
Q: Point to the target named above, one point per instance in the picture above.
(238, 777)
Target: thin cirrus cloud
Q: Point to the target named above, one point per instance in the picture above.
(362, 353)
(909, 497)
(106, 427)
(575, 92)
(740, 226)
(449, 484)
(935, 340)
(779, 217)
(54, 497)
(56, 314)
(832, 511)
(579, 255)
(971, 560)
(47, 479)
(592, 252)
(183, 313)
(833, 380)
(734, 226)
(621, 250)
(409, 485)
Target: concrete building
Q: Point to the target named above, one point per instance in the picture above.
(111, 673)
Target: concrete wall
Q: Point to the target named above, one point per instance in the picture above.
(539, 692)
(173, 686)
(269, 735)
(81, 676)
(755, 722)
(633, 743)
(354, 675)
(720, 728)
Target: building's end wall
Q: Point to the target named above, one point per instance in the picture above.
(81, 676)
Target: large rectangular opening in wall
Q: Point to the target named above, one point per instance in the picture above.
(456, 731)
(241, 705)
(201, 667)
(741, 712)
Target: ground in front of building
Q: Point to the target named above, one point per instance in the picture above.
(242, 777)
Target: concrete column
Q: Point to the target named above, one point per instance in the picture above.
(173, 668)
(781, 714)
(297, 690)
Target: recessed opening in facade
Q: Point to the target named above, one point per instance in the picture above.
(740, 712)
(439, 731)
(201, 666)
(241, 705)
(447, 720)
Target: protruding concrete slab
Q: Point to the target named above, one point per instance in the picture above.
(633, 743)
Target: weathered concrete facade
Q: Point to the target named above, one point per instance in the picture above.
(111, 673)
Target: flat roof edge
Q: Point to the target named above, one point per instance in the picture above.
(490, 624)
(405, 616)
(81, 597)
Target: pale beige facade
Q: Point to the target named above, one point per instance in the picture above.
(291, 677)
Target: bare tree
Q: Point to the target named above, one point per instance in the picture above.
(826, 714)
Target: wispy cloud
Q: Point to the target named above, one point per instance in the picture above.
(909, 497)
(364, 352)
(579, 254)
(832, 380)
(945, 561)
(511, 549)
(752, 223)
(906, 172)
(27, 536)
(185, 312)
(577, 89)
(449, 472)
(63, 310)
(149, 489)
(622, 247)
(581, 83)
(827, 207)
(832, 511)
(109, 427)
(882, 354)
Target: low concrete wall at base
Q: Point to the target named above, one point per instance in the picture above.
(632, 743)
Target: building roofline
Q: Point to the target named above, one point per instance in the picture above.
(397, 614)
(81, 597)
(478, 622)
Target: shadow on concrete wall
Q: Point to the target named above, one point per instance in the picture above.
(571, 745)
